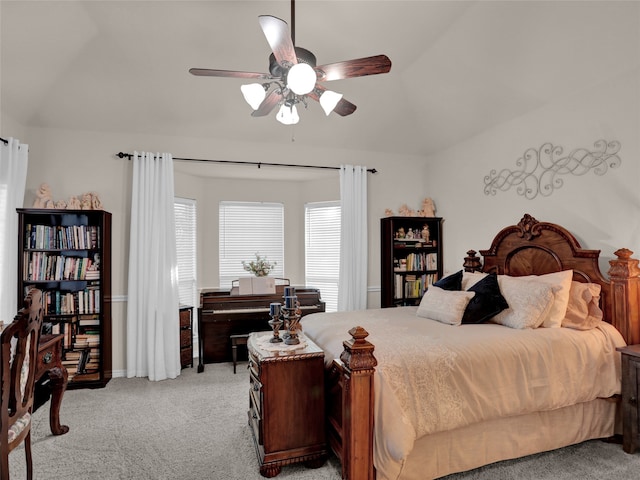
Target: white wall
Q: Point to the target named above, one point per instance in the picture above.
(74, 162)
(603, 212)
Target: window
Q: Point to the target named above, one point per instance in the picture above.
(322, 250)
(247, 228)
(185, 218)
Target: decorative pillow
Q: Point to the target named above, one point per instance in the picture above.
(471, 278)
(562, 280)
(446, 306)
(529, 302)
(583, 310)
(487, 301)
(451, 282)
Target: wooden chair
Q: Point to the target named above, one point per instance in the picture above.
(18, 362)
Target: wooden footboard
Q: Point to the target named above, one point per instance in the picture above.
(350, 406)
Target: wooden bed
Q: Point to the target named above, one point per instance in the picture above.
(528, 248)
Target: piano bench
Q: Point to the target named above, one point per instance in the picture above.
(236, 340)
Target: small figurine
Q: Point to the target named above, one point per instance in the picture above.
(425, 233)
(388, 212)
(74, 203)
(61, 204)
(405, 211)
(410, 233)
(96, 204)
(43, 197)
(400, 233)
(428, 208)
(85, 203)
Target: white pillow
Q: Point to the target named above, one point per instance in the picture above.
(469, 279)
(529, 302)
(583, 311)
(446, 306)
(561, 280)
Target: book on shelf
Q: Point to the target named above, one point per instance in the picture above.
(59, 237)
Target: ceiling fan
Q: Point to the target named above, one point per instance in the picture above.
(294, 77)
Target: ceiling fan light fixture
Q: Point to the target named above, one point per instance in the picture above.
(328, 100)
(254, 94)
(301, 78)
(288, 114)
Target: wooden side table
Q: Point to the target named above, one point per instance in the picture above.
(286, 405)
(630, 395)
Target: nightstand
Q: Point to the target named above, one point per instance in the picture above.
(630, 395)
(286, 404)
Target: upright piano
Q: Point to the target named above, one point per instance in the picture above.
(223, 313)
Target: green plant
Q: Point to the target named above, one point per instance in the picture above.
(260, 267)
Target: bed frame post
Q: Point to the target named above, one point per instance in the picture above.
(357, 406)
(625, 295)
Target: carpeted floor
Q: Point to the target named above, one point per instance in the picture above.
(195, 428)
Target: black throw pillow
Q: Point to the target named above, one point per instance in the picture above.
(486, 303)
(451, 282)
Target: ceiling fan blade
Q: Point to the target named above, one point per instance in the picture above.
(279, 39)
(354, 68)
(268, 104)
(207, 72)
(343, 107)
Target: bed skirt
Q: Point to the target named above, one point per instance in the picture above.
(480, 444)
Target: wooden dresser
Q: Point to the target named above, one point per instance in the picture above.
(222, 314)
(186, 336)
(286, 405)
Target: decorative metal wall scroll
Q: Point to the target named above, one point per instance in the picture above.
(540, 170)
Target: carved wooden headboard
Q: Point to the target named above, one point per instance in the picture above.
(535, 248)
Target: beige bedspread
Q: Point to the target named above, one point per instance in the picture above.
(433, 377)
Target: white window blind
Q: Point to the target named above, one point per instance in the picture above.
(247, 228)
(185, 218)
(322, 250)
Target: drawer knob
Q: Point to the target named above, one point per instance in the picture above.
(256, 387)
(633, 401)
(47, 357)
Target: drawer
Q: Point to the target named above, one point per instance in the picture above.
(47, 357)
(185, 338)
(186, 356)
(185, 318)
(255, 416)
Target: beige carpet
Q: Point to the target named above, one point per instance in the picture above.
(195, 428)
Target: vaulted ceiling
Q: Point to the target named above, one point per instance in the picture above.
(459, 67)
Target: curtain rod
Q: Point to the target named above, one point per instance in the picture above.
(240, 162)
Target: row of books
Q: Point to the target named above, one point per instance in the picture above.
(413, 243)
(416, 262)
(62, 237)
(413, 286)
(80, 302)
(42, 266)
(80, 361)
(75, 330)
(81, 343)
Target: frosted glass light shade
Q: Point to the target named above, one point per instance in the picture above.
(288, 115)
(301, 78)
(329, 100)
(254, 94)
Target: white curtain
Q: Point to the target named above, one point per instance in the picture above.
(13, 178)
(352, 283)
(153, 343)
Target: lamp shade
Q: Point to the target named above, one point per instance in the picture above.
(288, 115)
(329, 100)
(254, 94)
(301, 78)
